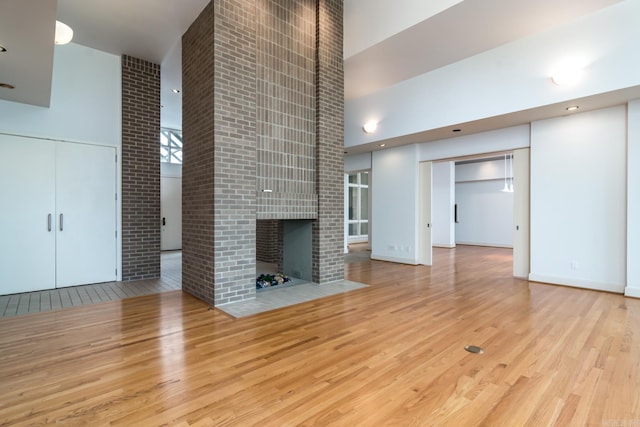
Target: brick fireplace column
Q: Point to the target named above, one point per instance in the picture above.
(328, 229)
(219, 131)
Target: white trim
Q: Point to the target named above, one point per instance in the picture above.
(359, 239)
(632, 292)
(489, 245)
(446, 246)
(577, 283)
(394, 259)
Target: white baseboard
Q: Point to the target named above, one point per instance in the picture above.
(632, 292)
(394, 259)
(577, 283)
(444, 245)
(489, 245)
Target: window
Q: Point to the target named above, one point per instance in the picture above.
(170, 146)
(358, 220)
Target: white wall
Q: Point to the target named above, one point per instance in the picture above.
(510, 78)
(485, 214)
(173, 170)
(85, 100)
(443, 199)
(357, 162)
(394, 204)
(85, 107)
(633, 200)
(468, 145)
(578, 200)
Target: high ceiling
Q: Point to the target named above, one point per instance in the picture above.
(151, 29)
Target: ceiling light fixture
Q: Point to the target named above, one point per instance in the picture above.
(572, 108)
(2, 49)
(508, 181)
(7, 86)
(382, 145)
(567, 73)
(175, 90)
(64, 33)
(456, 130)
(370, 126)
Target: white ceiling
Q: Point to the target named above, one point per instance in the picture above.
(463, 30)
(151, 30)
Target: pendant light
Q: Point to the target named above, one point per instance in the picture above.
(506, 183)
(511, 173)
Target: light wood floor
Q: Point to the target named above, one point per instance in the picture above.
(391, 354)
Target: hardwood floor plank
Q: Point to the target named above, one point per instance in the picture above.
(390, 354)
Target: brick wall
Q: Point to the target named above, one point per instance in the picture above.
(235, 150)
(219, 103)
(328, 230)
(285, 70)
(197, 161)
(140, 169)
(267, 249)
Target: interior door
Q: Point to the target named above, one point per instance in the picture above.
(27, 209)
(425, 251)
(85, 214)
(170, 213)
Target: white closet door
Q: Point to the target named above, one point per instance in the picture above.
(27, 247)
(85, 214)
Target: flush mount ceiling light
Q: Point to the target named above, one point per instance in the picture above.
(567, 73)
(64, 33)
(382, 145)
(572, 108)
(370, 127)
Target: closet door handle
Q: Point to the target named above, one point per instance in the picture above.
(49, 222)
(61, 218)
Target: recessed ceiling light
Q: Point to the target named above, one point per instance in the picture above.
(2, 49)
(572, 108)
(175, 90)
(382, 145)
(456, 130)
(7, 86)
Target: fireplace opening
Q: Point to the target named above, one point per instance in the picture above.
(283, 252)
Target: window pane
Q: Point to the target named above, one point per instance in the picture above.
(176, 140)
(353, 229)
(364, 203)
(353, 178)
(176, 156)
(364, 178)
(163, 139)
(364, 228)
(353, 202)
